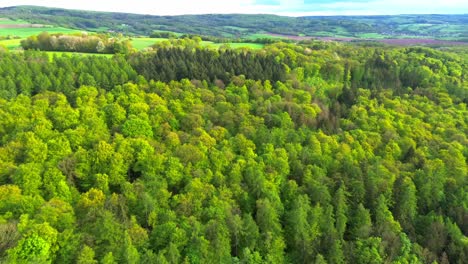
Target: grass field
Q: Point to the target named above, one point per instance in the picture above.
(142, 43)
(372, 36)
(11, 44)
(262, 35)
(6, 21)
(26, 32)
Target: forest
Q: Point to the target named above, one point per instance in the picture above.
(317, 152)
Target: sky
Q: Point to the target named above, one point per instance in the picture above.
(279, 7)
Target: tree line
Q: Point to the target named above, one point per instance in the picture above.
(32, 72)
(87, 43)
(170, 61)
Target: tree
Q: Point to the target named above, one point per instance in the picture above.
(272, 244)
(405, 202)
(361, 224)
(369, 251)
(28, 177)
(135, 127)
(341, 211)
(303, 229)
(86, 256)
(38, 242)
(387, 228)
(59, 214)
(8, 237)
(131, 254)
(31, 248)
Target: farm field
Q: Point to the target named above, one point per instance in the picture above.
(11, 44)
(7, 21)
(26, 32)
(264, 35)
(142, 43)
(23, 29)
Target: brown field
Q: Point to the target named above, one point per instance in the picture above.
(21, 26)
(399, 42)
(299, 38)
(408, 42)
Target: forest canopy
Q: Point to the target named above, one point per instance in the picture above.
(309, 153)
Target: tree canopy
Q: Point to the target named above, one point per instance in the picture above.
(309, 153)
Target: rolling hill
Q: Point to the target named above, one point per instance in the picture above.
(440, 27)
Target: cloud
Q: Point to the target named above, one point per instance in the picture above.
(267, 2)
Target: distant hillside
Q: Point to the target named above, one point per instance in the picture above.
(447, 27)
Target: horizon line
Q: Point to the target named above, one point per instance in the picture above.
(285, 14)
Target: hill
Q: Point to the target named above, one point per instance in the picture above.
(442, 27)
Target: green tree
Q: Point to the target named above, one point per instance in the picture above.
(86, 256)
(135, 127)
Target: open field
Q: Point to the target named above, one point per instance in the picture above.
(26, 32)
(410, 42)
(142, 43)
(263, 35)
(7, 21)
(11, 43)
(391, 41)
(24, 29)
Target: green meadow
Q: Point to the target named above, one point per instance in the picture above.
(26, 32)
(11, 44)
(142, 43)
(6, 21)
